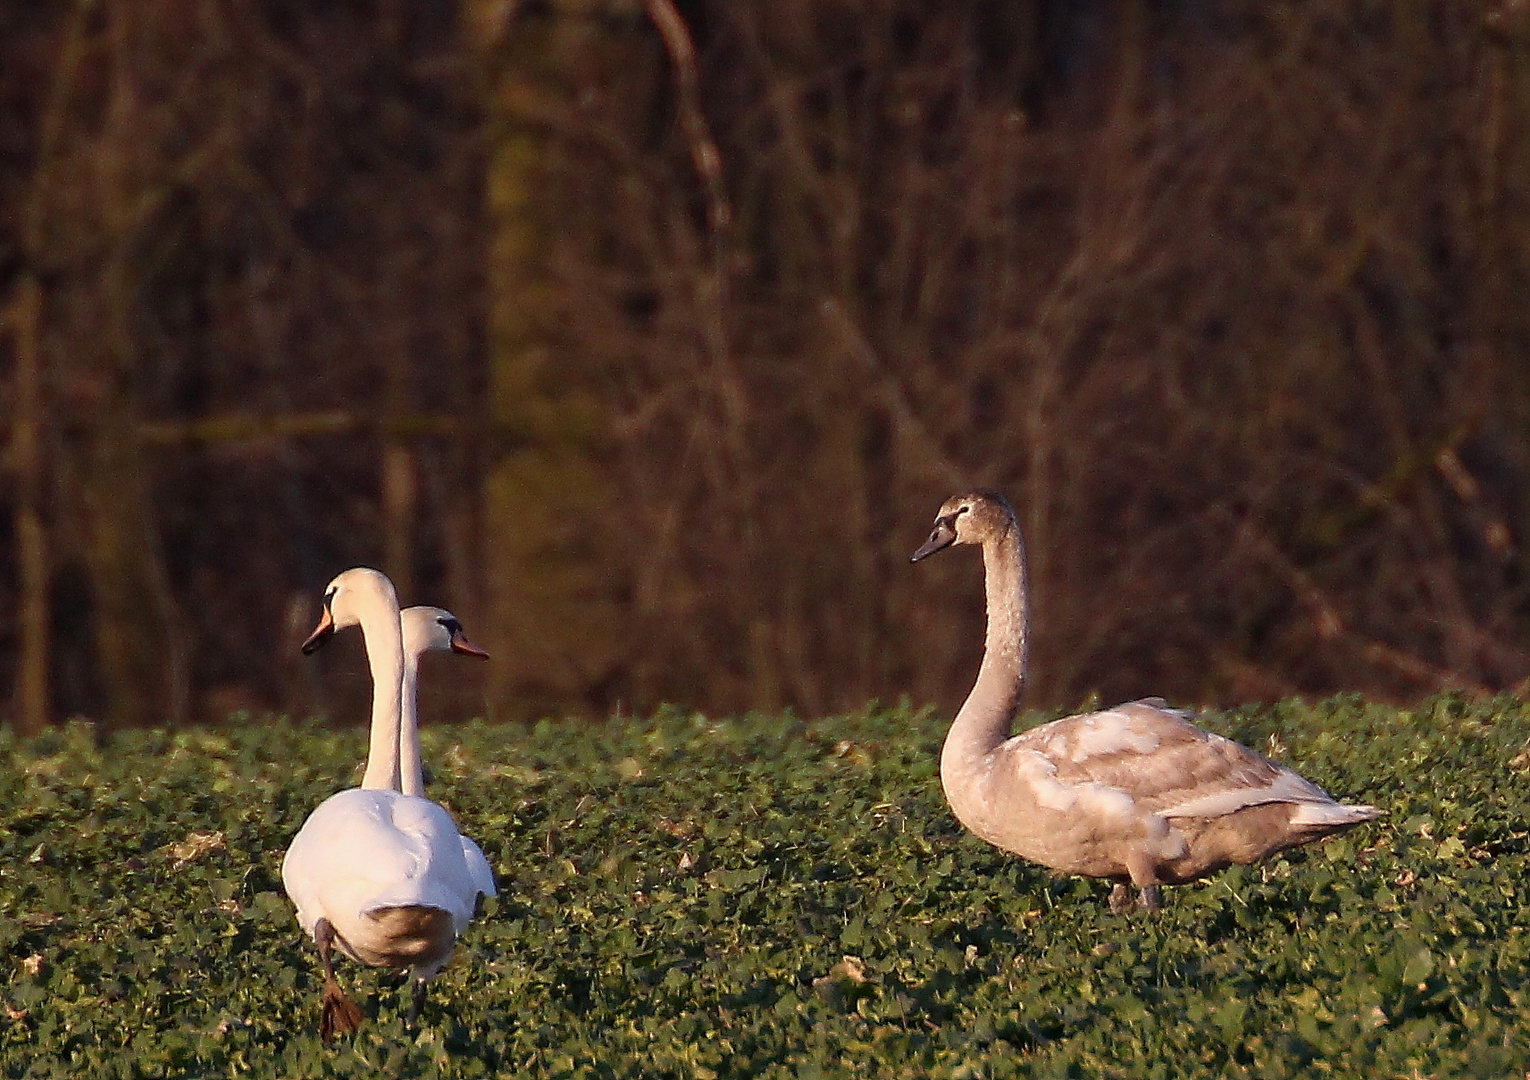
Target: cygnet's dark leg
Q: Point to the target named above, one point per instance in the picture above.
(1121, 899)
(416, 1001)
(1144, 875)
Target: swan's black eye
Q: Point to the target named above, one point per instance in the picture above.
(451, 624)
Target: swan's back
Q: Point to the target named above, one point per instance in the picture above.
(1170, 766)
(364, 850)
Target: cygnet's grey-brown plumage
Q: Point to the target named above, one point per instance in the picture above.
(1136, 793)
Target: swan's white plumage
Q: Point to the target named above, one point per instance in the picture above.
(478, 867)
(383, 875)
(365, 850)
(432, 629)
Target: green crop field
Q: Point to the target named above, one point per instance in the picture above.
(765, 897)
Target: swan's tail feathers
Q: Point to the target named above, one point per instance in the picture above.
(1328, 816)
(414, 935)
(455, 897)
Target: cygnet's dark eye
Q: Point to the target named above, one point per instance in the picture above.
(949, 521)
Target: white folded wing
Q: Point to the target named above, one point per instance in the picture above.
(367, 849)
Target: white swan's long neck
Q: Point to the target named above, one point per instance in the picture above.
(411, 775)
(986, 717)
(385, 655)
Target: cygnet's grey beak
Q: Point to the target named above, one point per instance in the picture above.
(943, 536)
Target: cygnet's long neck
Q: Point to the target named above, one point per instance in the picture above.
(385, 656)
(411, 776)
(986, 717)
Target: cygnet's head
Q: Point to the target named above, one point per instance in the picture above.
(968, 519)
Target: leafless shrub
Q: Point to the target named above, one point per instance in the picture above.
(1209, 317)
(649, 337)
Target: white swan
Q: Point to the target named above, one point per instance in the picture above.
(1135, 793)
(384, 876)
(431, 629)
(426, 629)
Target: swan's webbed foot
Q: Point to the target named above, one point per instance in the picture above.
(416, 1002)
(1147, 897)
(337, 1013)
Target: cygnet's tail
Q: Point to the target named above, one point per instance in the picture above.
(1327, 816)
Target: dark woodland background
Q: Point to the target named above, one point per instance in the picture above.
(648, 336)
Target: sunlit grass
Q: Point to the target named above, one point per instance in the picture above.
(765, 897)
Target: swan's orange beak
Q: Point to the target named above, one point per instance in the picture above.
(460, 644)
(321, 633)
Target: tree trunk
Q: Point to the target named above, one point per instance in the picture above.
(553, 624)
(31, 709)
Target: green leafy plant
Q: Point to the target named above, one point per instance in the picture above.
(770, 897)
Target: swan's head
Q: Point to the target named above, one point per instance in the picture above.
(346, 598)
(968, 519)
(429, 629)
